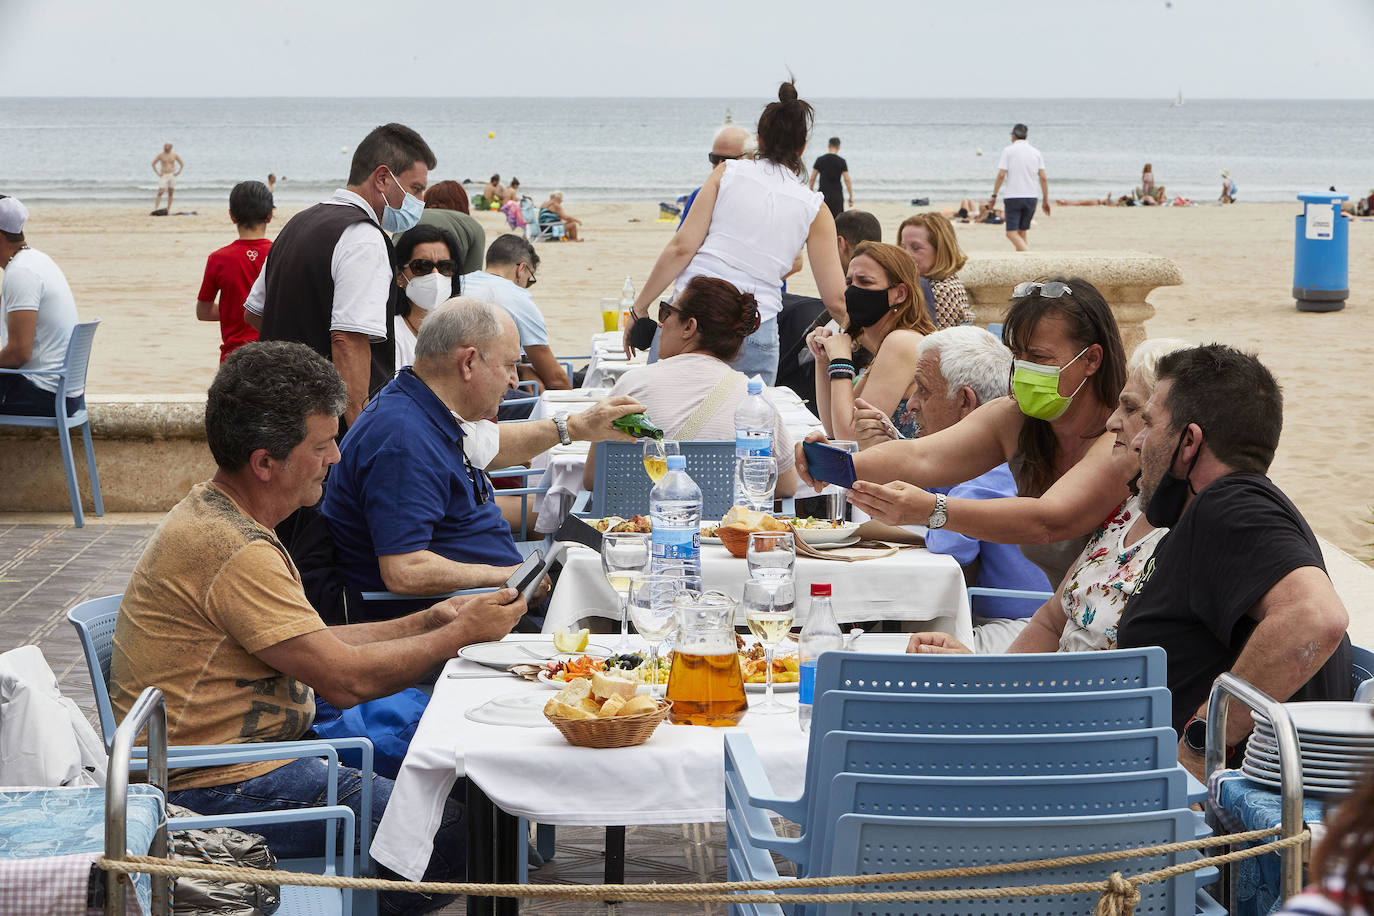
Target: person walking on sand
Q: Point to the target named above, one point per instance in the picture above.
(1228, 187)
(167, 165)
(831, 167)
(1020, 165)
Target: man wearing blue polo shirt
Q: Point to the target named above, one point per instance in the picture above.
(410, 506)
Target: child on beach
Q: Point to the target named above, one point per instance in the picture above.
(231, 270)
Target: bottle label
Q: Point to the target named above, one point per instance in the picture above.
(753, 446)
(806, 691)
(676, 543)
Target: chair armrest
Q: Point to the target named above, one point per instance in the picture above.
(740, 755)
(747, 863)
(579, 506)
(976, 590)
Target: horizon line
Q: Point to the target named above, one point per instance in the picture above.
(951, 98)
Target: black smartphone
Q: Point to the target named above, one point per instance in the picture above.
(526, 579)
(829, 464)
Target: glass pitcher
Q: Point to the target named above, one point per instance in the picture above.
(705, 683)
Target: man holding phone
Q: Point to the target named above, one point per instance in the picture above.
(410, 506)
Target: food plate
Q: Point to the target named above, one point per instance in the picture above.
(1333, 719)
(817, 536)
(835, 545)
(552, 684)
(789, 687)
(501, 655)
(709, 538)
(524, 710)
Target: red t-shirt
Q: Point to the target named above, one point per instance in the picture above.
(230, 272)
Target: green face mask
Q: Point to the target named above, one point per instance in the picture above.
(1036, 388)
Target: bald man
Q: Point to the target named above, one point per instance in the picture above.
(730, 142)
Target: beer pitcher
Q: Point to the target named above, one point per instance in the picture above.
(705, 684)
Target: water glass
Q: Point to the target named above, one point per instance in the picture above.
(756, 477)
(651, 604)
(623, 554)
(769, 612)
(772, 556)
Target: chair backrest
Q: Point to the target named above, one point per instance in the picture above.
(1362, 668)
(622, 488)
(94, 621)
(78, 356)
(1047, 672)
(870, 843)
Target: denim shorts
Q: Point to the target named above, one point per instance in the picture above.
(759, 355)
(1019, 212)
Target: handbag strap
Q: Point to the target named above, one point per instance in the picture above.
(707, 408)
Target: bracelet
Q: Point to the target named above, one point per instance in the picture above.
(841, 372)
(841, 361)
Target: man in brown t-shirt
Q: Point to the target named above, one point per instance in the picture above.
(216, 618)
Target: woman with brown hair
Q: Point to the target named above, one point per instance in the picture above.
(446, 207)
(887, 317)
(691, 392)
(930, 239)
(748, 225)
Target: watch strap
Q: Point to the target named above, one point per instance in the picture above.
(560, 422)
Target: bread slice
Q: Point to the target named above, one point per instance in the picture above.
(560, 710)
(605, 686)
(611, 707)
(589, 704)
(576, 689)
(637, 705)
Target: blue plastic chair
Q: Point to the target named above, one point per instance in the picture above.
(620, 486)
(1363, 668)
(71, 376)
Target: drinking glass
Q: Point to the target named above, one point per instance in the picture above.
(769, 612)
(622, 555)
(651, 606)
(656, 452)
(610, 314)
(771, 556)
(757, 477)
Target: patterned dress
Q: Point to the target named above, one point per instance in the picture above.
(952, 307)
(1101, 580)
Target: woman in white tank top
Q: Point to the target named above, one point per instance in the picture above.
(748, 224)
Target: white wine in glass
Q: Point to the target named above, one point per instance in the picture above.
(768, 607)
(771, 627)
(656, 452)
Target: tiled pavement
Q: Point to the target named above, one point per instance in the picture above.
(45, 569)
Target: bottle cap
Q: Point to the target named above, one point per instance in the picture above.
(755, 386)
(819, 589)
(677, 462)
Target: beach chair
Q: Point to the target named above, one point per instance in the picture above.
(620, 486)
(547, 226)
(70, 377)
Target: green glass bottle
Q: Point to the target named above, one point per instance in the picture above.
(638, 425)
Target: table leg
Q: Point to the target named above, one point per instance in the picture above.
(481, 814)
(615, 856)
(509, 844)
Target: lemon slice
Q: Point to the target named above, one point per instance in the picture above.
(565, 641)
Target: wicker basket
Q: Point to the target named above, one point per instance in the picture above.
(615, 731)
(735, 540)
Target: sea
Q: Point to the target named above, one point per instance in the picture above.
(100, 150)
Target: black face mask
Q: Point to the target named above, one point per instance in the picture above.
(1171, 494)
(866, 307)
(642, 333)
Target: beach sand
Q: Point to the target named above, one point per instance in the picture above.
(140, 275)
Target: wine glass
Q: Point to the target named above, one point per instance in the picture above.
(769, 612)
(771, 556)
(656, 452)
(756, 476)
(622, 555)
(651, 606)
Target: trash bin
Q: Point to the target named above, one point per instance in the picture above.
(1321, 254)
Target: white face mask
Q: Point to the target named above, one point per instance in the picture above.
(481, 441)
(430, 291)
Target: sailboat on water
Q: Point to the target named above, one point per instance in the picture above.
(1178, 100)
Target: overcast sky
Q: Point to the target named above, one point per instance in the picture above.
(837, 48)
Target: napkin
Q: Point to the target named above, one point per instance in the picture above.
(863, 550)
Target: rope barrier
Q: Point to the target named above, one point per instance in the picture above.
(1118, 894)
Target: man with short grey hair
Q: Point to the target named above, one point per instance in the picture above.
(957, 370)
(410, 506)
(730, 142)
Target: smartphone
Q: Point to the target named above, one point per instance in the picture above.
(829, 464)
(527, 578)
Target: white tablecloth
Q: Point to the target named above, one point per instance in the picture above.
(676, 777)
(912, 585)
(608, 362)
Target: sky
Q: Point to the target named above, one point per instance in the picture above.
(706, 48)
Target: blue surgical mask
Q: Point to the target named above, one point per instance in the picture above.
(406, 216)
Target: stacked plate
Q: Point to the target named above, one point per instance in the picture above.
(1335, 741)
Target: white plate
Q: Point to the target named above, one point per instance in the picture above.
(1321, 742)
(1317, 752)
(1310, 786)
(524, 710)
(611, 356)
(708, 538)
(501, 655)
(1271, 766)
(573, 394)
(817, 536)
(790, 687)
(1329, 717)
(836, 545)
(546, 681)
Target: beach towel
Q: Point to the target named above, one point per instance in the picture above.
(513, 217)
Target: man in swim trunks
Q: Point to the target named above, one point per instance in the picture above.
(167, 165)
(1020, 166)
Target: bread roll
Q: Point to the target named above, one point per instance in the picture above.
(611, 707)
(589, 705)
(560, 710)
(605, 686)
(637, 705)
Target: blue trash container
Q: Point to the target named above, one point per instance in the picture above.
(1321, 254)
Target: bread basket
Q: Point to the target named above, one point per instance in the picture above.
(615, 731)
(735, 540)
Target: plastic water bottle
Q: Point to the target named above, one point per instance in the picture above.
(627, 301)
(820, 634)
(675, 509)
(754, 422)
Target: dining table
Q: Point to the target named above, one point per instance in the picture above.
(486, 725)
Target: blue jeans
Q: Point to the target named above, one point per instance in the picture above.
(22, 398)
(302, 784)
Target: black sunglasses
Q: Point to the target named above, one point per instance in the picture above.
(531, 270)
(665, 309)
(717, 160)
(421, 266)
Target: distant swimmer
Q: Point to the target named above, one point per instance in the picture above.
(167, 165)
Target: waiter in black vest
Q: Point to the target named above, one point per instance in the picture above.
(329, 281)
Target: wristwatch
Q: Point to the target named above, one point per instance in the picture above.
(560, 422)
(937, 517)
(1195, 736)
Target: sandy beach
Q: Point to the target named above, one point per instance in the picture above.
(140, 275)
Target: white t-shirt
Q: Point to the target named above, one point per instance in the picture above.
(361, 271)
(1023, 163)
(672, 389)
(517, 302)
(405, 343)
(759, 224)
(33, 282)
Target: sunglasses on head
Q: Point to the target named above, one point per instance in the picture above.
(717, 160)
(1052, 290)
(421, 266)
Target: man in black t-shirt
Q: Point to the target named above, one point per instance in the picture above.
(1238, 583)
(831, 168)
